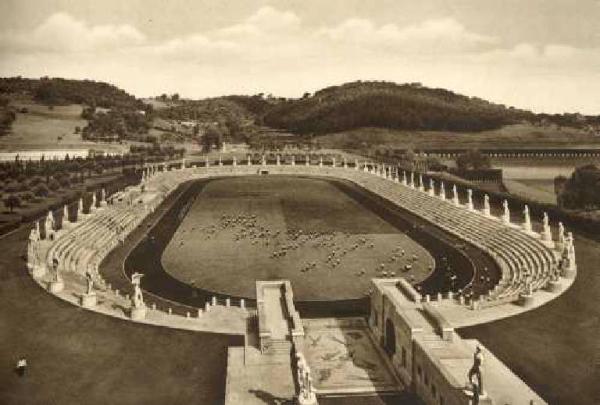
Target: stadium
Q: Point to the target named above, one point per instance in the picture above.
(349, 281)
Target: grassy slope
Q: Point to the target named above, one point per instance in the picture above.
(520, 135)
(41, 127)
(77, 356)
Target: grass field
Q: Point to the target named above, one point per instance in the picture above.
(306, 230)
(541, 190)
(520, 136)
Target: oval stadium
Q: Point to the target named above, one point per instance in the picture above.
(301, 278)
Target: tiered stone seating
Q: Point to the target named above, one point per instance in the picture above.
(518, 254)
(83, 247)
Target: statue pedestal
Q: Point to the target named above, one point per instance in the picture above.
(89, 300)
(56, 286)
(548, 243)
(483, 397)
(138, 313)
(309, 400)
(552, 286)
(569, 273)
(526, 300)
(38, 271)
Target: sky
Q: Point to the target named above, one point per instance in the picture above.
(541, 55)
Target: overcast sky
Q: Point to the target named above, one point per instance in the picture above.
(542, 55)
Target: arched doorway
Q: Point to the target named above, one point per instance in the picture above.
(390, 338)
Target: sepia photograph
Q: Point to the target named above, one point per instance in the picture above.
(300, 202)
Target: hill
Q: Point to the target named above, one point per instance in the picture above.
(59, 91)
(111, 113)
(403, 107)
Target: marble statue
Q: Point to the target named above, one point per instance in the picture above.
(49, 224)
(90, 282)
(306, 390)
(561, 234)
(547, 232)
(506, 215)
(527, 219)
(137, 299)
(486, 205)
(56, 267)
(33, 248)
(476, 369)
(469, 199)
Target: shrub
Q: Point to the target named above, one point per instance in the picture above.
(27, 196)
(53, 185)
(34, 181)
(65, 181)
(13, 187)
(41, 190)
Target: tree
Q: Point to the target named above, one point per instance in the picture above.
(54, 185)
(65, 181)
(582, 190)
(474, 160)
(12, 201)
(175, 97)
(212, 137)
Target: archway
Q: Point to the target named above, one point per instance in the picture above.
(390, 338)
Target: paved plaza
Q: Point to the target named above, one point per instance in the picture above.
(345, 359)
